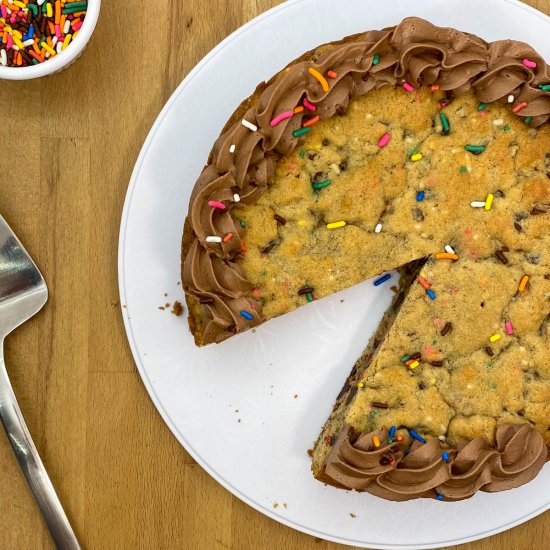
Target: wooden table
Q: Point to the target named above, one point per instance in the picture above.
(72, 141)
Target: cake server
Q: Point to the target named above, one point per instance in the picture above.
(23, 292)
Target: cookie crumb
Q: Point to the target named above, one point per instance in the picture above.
(310, 453)
(352, 515)
(177, 309)
(295, 396)
(161, 307)
(275, 505)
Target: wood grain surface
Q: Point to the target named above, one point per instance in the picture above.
(68, 144)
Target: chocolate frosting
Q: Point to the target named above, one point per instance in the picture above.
(414, 51)
(516, 458)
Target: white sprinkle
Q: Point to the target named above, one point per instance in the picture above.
(54, 41)
(28, 42)
(511, 98)
(3, 57)
(498, 122)
(378, 228)
(15, 48)
(46, 55)
(67, 26)
(249, 125)
(449, 249)
(213, 239)
(236, 197)
(232, 148)
(59, 47)
(478, 204)
(442, 438)
(40, 2)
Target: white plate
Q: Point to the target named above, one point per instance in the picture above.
(262, 458)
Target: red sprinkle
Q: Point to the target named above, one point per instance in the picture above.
(435, 87)
(519, 107)
(228, 237)
(311, 121)
(424, 283)
(332, 74)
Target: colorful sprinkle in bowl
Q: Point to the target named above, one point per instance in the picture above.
(63, 59)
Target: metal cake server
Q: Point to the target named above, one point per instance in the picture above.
(23, 292)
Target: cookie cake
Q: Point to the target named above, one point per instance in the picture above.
(417, 148)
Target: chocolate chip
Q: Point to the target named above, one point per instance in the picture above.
(422, 385)
(447, 328)
(500, 256)
(499, 193)
(206, 301)
(384, 461)
(532, 258)
(318, 177)
(416, 355)
(279, 219)
(311, 155)
(489, 351)
(538, 210)
(365, 77)
(306, 290)
(269, 247)
(436, 363)
(521, 413)
(343, 165)
(326, 142)
(417, 214)
(518, 227)
(379, 405)
(340, 110)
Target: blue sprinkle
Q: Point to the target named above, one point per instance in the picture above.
(31, 32)
(420, 196)
(439, 496)
(445, 456)
(382, 279)
(430, 293)
(393, 429)
(405, 452)
(246, 315)
(414, 435)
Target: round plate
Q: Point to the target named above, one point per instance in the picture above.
(248, 410)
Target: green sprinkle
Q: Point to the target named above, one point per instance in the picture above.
(445, 123)
(528, 119)
(43, 39)
(481, 106)
(301, 132)
(243, 224)
(322, 184)
(545, 87)
(376, 59)
(434, 341)
(490, 365)
(34, 62)
(263, 273)
(463, 169)
(412, 151)
(405, 358)
(494, 386)
(302, 153)
(309, 297)
(73, 7)
(506, 128)
(475, 149)
(33, 8)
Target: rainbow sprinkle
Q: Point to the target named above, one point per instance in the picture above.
(445, 123)
(408, 87)
(246, 315)
(523, 283)
(416, 157)
(309, 105)
(446, 256)
(489, 201)
(475, 149)
(431, 294)
(376, 441)
(529, 64)
(519, 107)
(216, 204)
(382, 279)
(300, 132)
(280, 117)
(414, 435)
(384, 140)
(322, 80)
(376, 59)
(247, 124)
(336, 225)
(420, 196)
(321, 184)
(509, 328)
(495, 337)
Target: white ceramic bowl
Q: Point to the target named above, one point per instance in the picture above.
(62, 60)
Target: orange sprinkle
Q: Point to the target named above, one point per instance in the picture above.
(228, 237)
(332, 74)
(35, 47)
(19, 59)
(446, 256)
(311, 121)
(36, 55)
(57, 11)
(435, 87)
(243, 246)
(52, 28)
(298, 109)
(523, 283)
(322, 80)
(519, 107)
(424, 283)
(376, 441)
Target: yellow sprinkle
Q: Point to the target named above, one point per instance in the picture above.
(19, 4)
(489, 201)
(49, 10)
(320, 78)
(414, 364)
(376, 441)
(66, 41)
(336, 225)
(495, 337)
(18, 43)
(361, 385)
(416, 157)
(446, 256)
(50, 50)
(302, 223)
(523, 283)
(17, 33)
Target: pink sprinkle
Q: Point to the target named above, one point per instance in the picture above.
(408, 87)
(509, 329)
(4, 11)
(9, 42)
(281, 117)
(384, 140)
(217, 204)
(309, 105)
(483, 113)
(57, 31)
(76, 26)
(530, 64)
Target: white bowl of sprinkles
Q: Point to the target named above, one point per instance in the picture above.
(68, 42)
